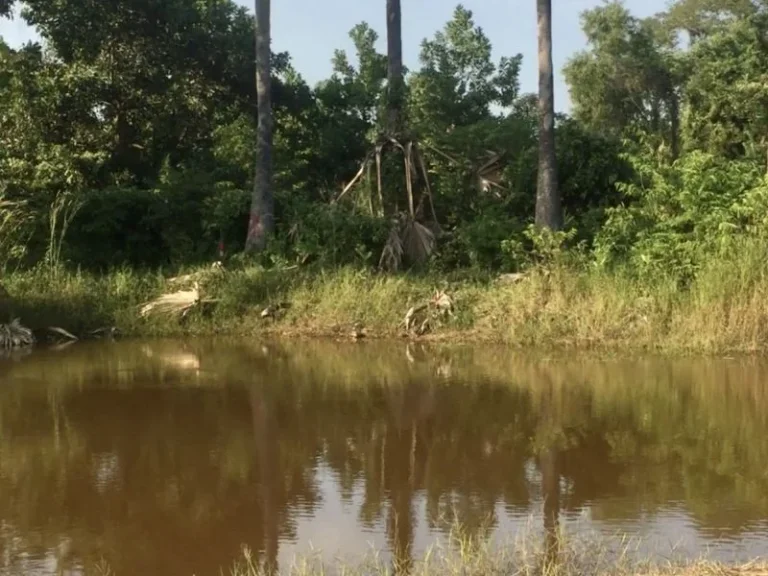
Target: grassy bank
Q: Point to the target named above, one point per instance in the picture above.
(724, 310)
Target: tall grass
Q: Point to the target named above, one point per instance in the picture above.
(724, 309)
(525, 556)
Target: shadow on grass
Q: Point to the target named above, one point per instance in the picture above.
(78, 313)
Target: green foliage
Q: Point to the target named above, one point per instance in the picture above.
(541, 247)
(683, 214)
(728, 91)
(16, 224)
(333, 235)
(458, 82)
(479, 243)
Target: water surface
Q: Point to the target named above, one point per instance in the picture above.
(164, 458)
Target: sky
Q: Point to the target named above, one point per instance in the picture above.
(310, 30)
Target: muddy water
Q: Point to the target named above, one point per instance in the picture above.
(164, 458)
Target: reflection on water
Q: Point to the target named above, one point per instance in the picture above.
(165, 457)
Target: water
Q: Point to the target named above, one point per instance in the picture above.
(163, 458)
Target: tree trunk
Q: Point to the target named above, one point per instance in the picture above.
(548, 210)
(674, 124)
(262, 220)
(395, 82)
(655, 115)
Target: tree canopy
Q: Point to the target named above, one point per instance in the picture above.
(127, 138)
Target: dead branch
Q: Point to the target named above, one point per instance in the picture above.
(443, 154)
(61, 332)
(352, 182)
(427, 185)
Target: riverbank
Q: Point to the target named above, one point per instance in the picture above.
(725, 310)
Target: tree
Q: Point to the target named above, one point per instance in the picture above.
(6, 6)
(700, 18)
(726, 92)
(262, 220)
(548, 210)
(395, 83)
(629, 80)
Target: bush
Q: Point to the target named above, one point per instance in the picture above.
(680, 215)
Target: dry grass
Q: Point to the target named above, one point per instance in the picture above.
(586, 556)
(710, 569)
(526, 556)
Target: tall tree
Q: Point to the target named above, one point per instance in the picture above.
(548, 210)
(262, 220)
(395, 83)
(726, 91)
(630, 79)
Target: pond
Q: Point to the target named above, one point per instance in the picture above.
(165, 457)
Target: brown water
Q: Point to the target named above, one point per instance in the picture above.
(163, 458)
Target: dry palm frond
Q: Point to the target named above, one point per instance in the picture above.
(392, 255)
(408, 160)
(411, 315)
(176, 302)
(197, 276)
(14, 335)
(418, 241)
(420, 317)
(64, 333)
(408, 240)
(104, 332)
(443, 302)
(512, 278)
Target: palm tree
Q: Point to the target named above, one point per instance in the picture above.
(548, 210)
(262, 220)
(395, 83)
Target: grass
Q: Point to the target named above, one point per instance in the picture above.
(526, 556)
(725, 310)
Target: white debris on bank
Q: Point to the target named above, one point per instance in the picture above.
(174, 303)
(14, 336)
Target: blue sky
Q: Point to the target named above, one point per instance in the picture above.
(310, 30)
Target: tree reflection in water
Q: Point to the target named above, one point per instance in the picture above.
(165, 458)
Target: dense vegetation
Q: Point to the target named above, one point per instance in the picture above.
(127, 140)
